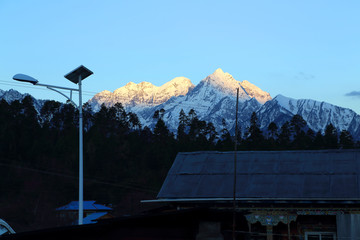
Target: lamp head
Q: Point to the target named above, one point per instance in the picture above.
(25, 78)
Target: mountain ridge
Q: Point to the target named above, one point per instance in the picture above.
(214, 99)
(144, 94)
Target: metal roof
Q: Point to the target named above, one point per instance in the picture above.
(88, 205)
(89, 219)
(326, 174)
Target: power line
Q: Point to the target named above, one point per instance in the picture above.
(132, 186)
(16, 84)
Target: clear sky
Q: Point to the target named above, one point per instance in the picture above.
(300, 49)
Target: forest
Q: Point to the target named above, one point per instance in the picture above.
(124, 162)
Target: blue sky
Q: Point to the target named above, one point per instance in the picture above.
(300, 49)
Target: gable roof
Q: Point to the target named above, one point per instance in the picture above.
(326, 174)
(88, 205)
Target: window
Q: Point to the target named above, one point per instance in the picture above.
(319, 236)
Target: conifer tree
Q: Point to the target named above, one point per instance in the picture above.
(272, 130)
(134, 121)
(183, 122)
(330, 137)
(284, 136)
(346, 140)
(297, 126)
(254, 139)
(319, 142)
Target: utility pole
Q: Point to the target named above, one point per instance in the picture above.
(235, 160)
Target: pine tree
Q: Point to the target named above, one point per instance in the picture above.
(160, 129)
(309, 138)
(134, 121)
(225, 142)
(254, 139)
(272, 130)
(211, 133)
(122, 117)
(331, 137)
(346, 140)
(156, 114)
(298, 124)
(319, 142)
(192, 115)
(284, 136)
(183, 122)
(298, 127)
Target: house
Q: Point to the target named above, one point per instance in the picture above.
(92, 212)
(278, 194)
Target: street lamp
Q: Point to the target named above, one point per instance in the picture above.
(76, 76)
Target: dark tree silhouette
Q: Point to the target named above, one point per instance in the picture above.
(272, 130)
(298, 127)
(254, 137)
(330, 137)
(284, 136)
(346, 140)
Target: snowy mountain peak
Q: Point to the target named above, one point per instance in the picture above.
(11, 95)
(219, 72)
(144, 94)
(180, 81)
(220, 77)
(130, 84)
(223, 82)
(226, 83)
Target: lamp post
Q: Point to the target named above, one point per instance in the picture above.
(76, 76)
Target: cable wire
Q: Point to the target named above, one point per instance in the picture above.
(8, 83)
(131, 186)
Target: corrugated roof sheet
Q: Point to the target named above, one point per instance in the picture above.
(327, 174)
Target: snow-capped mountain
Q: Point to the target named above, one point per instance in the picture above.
(214, 98)
(142, 95)
(317, 114)
(12, 95)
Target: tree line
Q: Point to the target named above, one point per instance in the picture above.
(124, 162)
